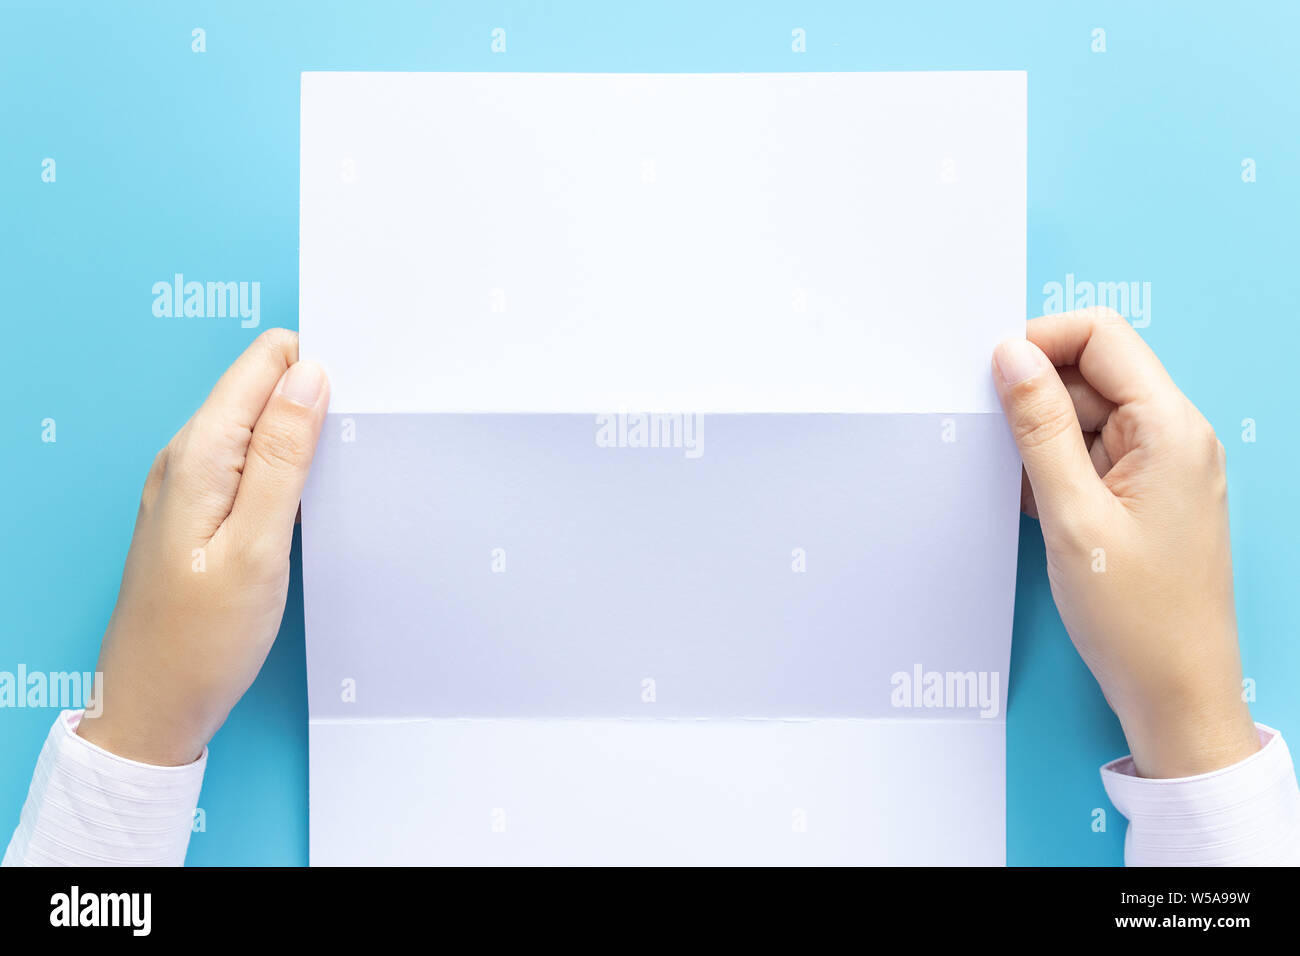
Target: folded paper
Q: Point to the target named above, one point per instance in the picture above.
(664, 511)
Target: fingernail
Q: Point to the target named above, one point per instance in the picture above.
(1018, 360)
(303, 383)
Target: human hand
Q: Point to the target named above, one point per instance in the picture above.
(208, 570)
(1127, 479)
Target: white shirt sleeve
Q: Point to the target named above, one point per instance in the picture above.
(1247, 814)
(88, 807)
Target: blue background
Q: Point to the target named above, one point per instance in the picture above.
(173, 161)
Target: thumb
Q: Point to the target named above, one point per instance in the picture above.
(1045, 427)
(280, 453)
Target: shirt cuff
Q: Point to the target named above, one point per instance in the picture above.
(89, 807)
(1247, 814)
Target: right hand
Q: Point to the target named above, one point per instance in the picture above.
(1128, 481)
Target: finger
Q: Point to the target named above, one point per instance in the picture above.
(1027, 504)
(279, 455)
(1092, 409)
(242, 391)
(1045, 428)
(1093, 412)
(207, 456)
(1111, 356)
(1097, 452)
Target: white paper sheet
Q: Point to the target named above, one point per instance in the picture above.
(534, 635)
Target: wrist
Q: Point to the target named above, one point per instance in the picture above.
(1176, 741)
(143, 744)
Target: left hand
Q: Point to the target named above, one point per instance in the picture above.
(208, 570)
